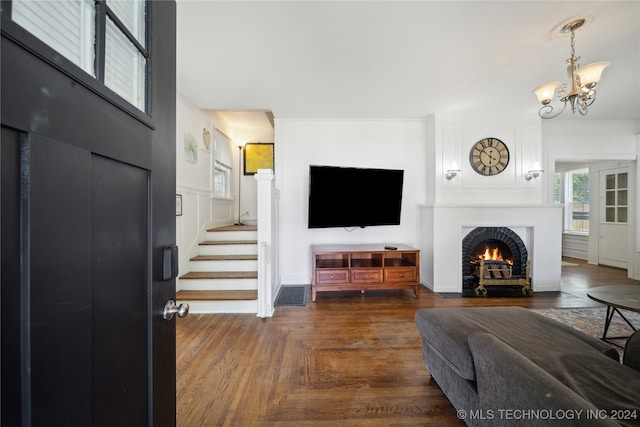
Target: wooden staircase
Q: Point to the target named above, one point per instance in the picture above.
(223, 277)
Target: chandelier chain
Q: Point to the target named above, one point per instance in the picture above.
(573, 49)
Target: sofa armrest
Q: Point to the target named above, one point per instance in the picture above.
(510, 385)
(631, 355)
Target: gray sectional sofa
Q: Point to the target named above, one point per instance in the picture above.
(505, 366)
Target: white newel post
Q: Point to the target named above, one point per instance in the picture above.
(265, 243)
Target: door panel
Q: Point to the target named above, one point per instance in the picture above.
(56, 217)
(613, 237)
(12, 334)
(120, 292)
(613, 245)
(88, 297)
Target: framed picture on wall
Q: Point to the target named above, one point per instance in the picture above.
(257, 156)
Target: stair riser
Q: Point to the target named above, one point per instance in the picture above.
(239, 306)
(218, 284)
(223, 265)
(232, 235)
(228, 250)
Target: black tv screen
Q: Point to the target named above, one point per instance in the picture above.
(354, 197)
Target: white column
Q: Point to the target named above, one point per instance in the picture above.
(265, 242)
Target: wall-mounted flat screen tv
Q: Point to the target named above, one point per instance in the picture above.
(354, 197)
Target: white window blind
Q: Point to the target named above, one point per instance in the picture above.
(222, 145)
(132, 14)
(66, 26)
(125, 67)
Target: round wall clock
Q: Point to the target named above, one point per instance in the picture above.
(489, 156)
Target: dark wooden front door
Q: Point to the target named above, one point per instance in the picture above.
(88, 192)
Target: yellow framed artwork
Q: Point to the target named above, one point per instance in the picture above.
(257, 156)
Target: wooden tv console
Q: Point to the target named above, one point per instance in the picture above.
(364, 267)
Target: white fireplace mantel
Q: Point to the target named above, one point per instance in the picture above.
(444, 226)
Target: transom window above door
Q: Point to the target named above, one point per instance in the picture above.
(107, 39)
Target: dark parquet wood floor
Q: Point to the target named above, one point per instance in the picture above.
(346, 360)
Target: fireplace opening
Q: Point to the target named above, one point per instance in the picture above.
(494, 256)
(490, 250)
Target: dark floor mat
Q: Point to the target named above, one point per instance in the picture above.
(291, 295)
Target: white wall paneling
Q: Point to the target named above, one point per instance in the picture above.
(575, 246)
(454, 137)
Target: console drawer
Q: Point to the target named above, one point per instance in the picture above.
(324, 277)
(372, 275)
(400, 274)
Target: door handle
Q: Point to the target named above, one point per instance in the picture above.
(171, 309)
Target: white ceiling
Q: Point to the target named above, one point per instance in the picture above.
(397, 59)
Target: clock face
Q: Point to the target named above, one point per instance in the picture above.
(489, 156)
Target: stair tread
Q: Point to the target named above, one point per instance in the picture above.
(229, 242)
(233, 228)
(225, 258)
(217, 295)
(220, 275)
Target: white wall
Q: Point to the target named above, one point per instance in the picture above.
(194, 181)
(391, 144)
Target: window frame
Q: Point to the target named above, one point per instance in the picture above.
(568, 202)
(617, 205)
(103, 11)
(17, 34)
(219, 167)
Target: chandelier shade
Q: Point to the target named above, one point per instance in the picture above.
(546, 92)
(580, 93)
(590, 74)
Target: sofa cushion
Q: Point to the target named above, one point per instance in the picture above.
(583, 383)
(535, 336)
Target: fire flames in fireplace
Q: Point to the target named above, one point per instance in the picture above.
(490, 254)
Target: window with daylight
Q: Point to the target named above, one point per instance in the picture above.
(557, 188)
(576, 199)
(106, 39)
(221, 165)
(616, 197)
(221, 180)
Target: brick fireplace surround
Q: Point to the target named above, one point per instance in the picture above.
(505, 240)
(444, 227)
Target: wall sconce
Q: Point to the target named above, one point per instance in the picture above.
(533, 173)
(451, 173)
